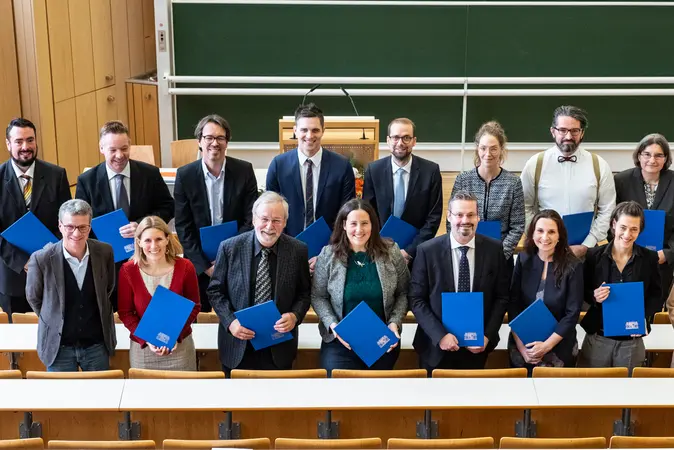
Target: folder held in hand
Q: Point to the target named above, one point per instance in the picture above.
(316, 236)
(623, 311)
(365, 332)
(578, 226)
(463, 316)
(535, 323)
(261, 319)
(28, 234)
(164, 318)
(213, 235)
(489, 228)
(107, 228)
(400, 231)
(653, 235)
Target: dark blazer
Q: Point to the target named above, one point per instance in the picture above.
(229, 291)
(50, 191)
(149, 194)
(193, 211)
(423, 203)
(432, 274)
(45, 291)
(596, 269)
(336, 186)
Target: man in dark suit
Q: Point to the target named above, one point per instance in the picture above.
(28, 184)
(255, 267)
(211, 191)
(69, 287)
(405, 185)
(459, 261)
(315, 182)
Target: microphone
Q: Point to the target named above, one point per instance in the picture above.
(303, 100)
(354, 107)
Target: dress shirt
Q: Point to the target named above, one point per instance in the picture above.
(215, 188)
(456, 258)
(30, 172)
(407, 168)
(257, 255)
(79, 268)
(316, 172)
(113, 182)
(570, 188)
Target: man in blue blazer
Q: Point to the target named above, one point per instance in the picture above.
(315, 182)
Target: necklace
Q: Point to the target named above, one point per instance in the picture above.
(362, 263)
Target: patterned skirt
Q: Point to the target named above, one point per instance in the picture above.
(184, 357)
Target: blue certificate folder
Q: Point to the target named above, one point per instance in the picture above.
(365, 332)
(107, 228)
(212, 236)
(623, 311)
(28, 234)
(400, 231)
(535, 323)
(490, 228)
(463, 316)
(164, 318)
(578, 226)
(261, 319)
(653, 234)
(316, 236)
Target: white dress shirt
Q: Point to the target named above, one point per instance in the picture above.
(79, 268)
(30, 172)
(407, 168)
(456, 259)
(215, 189)
(113, 183)
(571, 188)
(316, 172)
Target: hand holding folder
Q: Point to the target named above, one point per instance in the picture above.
(463, 316)
(107, 228)
(28, 234)
(316, 236)
(261, 319)
(535, 324)
(164, 318)
(212, 236)
(624, 311)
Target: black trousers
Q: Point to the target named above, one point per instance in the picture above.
(255, 360)
(204, 280)
(461, 359)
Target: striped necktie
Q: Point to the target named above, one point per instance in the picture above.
(27, 189)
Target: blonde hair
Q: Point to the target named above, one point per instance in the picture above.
(492, 128)
(173, 247)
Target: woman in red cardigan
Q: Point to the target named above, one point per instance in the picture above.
(155, 262)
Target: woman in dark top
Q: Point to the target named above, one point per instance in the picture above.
(358, 265)
(547, 269)
(650, 184)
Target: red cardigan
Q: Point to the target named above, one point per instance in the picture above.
(133, 297)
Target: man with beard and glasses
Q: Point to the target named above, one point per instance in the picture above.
(459, 261)
(405, 185)
(28, 184)
(570, 180)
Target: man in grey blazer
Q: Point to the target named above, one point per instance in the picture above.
(255, 267)
(69, 285)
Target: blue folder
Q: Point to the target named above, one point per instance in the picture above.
(653, 234)
(164, 318)
(535, 323)
(578, 226)
(28, 234)
(623, 310)
(400, 231)
(316, 236)
(463, 316)
(261, 319)
(107, 228)
(213, 235)
(365, 332)
(490, 228)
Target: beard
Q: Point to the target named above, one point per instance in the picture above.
(568, 147)
(27, 162)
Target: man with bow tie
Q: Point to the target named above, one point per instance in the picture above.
(570, 180)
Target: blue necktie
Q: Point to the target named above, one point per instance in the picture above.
(464, 271)
(399, 197)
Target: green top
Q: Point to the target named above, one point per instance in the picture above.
(362, 285)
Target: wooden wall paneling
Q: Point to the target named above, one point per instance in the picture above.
(107, 106)
(82, 45)
(25, 43)
(130, 111)
(66, 137)
(134, 13)
(58, 19)
(151, 120)
(138, 114)
(101, 35)
(149, 36)
(120, 47)
(10, 99)
(87, 130)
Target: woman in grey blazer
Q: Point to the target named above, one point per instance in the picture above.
(358, 265)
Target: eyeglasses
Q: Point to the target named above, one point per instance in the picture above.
(405, 139)
(209, 139)
(575, 132)
(657, 156)
(468, 216)
(81, 228)
(266, 220)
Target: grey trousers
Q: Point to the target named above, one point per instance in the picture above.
(600, 351)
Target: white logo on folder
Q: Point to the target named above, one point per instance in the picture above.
(633, 325)
(161, 337)
(470, 336)
(128, 248)
(277, 335)
(383, 341)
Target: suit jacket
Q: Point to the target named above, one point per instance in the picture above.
(229, 291)
(50, 191)
(45, 291)
(193, 211)
(336, 186)
(433, 274)
(596, 270)
(327, 289)
(149, 195)
(423, 202)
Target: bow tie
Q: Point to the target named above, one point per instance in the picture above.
(572, 158)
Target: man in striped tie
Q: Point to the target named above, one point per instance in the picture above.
(28, 184)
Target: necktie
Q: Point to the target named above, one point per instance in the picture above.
(263, 278)
(27, 189)
(464, 271)
(572, 158)
(399, 195)
(122, 196)
(309, 195)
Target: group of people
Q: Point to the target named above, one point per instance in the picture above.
(74, 286)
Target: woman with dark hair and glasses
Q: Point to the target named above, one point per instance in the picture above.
(358, 265)
(547, 270)
(650, 184)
